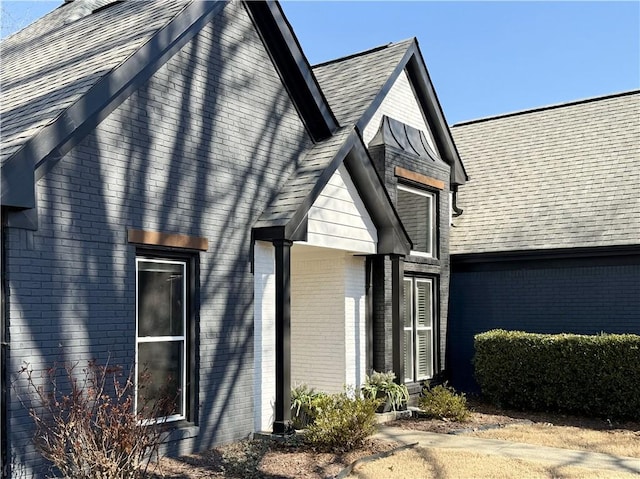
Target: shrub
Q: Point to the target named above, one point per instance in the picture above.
(302, 404)
(86, 426)
(343, 421)
(383, 386)
(443, 402)
(590, 375)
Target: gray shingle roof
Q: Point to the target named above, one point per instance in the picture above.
(559, 177)
(299, 187)
(53, 62)
(351, 84)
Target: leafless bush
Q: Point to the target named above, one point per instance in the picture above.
(86, 425)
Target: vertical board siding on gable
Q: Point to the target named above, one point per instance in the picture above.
(402, 105)
(198, 150)
(317, 320)
(338, 218)
(264, 335)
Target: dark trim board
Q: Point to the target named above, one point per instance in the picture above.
(419, 77)
(540, 259)
(282, 423)
(294, 70)
(4, 463)
(397, 314)
(52, 142)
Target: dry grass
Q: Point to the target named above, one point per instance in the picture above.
(260, 460)
(422, 463)
(619, 442)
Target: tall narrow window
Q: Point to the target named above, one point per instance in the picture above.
(161, 342)
(419, 338)
(417, 210)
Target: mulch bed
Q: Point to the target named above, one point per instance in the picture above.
(291, 459)
(261, 459)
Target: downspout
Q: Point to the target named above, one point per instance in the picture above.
(456, 211)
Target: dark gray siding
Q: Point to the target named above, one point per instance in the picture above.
(583, 296)
(199, 150)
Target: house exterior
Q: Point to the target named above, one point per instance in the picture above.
(549, 240)
(182, 192)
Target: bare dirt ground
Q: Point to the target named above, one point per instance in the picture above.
(292, 459)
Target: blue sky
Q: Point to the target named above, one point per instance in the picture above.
(484, 58)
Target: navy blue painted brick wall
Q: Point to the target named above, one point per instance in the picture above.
(200, 150)
(584, 298)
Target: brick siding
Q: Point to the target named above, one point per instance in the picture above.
(199, 150)
(585, 296)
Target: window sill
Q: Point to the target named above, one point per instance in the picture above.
(423, 259)
(185, 430)
(414, 388)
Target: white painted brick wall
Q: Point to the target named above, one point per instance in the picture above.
(265, 335)
(328, 326)
(317, 320)
(400, 104)
(355, 336)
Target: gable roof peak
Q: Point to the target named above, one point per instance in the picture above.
(369, 51)
(82, 8)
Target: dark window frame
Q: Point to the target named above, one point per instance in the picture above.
(192, 261)
(413, 376)
(421, 190)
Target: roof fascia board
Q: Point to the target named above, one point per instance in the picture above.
(420, 79)
(55, 140)
(549, 254)
(300, 215)
(293, 68)
(377, 101)
(392, 236)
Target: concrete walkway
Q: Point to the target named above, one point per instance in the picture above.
(550, 455)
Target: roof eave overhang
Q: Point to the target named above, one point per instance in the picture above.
(546, 254)
(419, 77)
(392, 237)
(293, 68)
(20, 172)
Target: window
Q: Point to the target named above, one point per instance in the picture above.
(417, 210)
(419, 338)
(161, 333)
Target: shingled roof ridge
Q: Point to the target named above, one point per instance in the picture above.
(364, 52)
(552, 106)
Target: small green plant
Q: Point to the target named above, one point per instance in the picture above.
(382, 386)
(443, 402)
(302, 404)
(343, 421)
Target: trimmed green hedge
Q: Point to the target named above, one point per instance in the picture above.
(588, 375)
